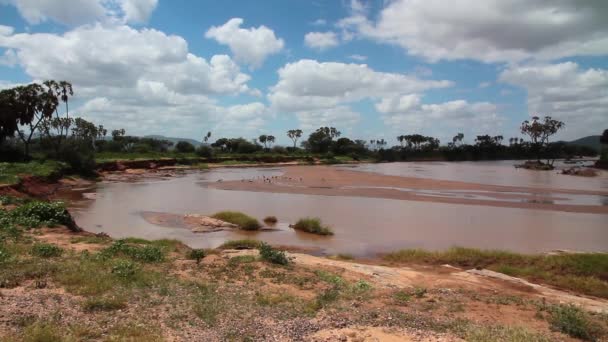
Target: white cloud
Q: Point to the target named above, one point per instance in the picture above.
(138, 11)
(565, 92)
(6, 30)
(488, 31)
(9, 58)
(308, 84)
(250, 46)
(321, 40)
(319, 22)
(74, 13)
(342, 116)
(407, 113)
(143, 80)
(484, 84)
(359, 58)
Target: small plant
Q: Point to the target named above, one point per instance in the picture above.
(146, 253)
(4, 255)
(46, 250)
(419, 292)
(402, 297)
(313, 226)
(574, 322)
(240, 244)
(244, 222)
(272, 255)
(196, 254)
(124, 269)
(271, 220)
(104, 304)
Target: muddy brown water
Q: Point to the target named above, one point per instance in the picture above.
(362, 226)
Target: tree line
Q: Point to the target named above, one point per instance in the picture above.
(35, 120)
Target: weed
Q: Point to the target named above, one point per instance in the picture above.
(402, 297)
(104, 303)
(272, 255)
(240, 244)
(313, 226)
(244, 222)
(196, 254)
(46, 250)
(574, 322)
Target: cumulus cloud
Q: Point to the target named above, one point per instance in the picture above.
(488, 31)
(564, 91)
(250, 46)
(321, 40)
(144, 80)
(359, 58)
(6, 30)
(443, 120)
(318, 91)
(308, 84)
(343, 116)
(74, 13)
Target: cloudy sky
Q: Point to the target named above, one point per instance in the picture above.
(373, 69)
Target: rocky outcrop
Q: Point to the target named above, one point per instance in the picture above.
(203, 224)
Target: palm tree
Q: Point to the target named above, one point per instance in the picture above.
(294, 135)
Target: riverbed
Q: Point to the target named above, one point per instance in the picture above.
(372, 208)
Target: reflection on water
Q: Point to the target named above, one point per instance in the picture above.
(363, 226)
(490, 172)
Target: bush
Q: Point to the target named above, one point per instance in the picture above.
(243, 221)
(124, 269)
(46, 250)
(240, 244)
(272, 255)
(79, 156)
(184, 147)
(313, 226)
(48, 213)
(271, 220)
(574, 322)
(196, 254)
(204, 151)
(147, 253)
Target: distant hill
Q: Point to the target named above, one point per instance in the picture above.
(592, 141)
(174, 140)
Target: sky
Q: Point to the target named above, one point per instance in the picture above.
(372, 69)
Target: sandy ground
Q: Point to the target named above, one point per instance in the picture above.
(330, 181)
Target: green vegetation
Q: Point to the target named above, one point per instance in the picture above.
(196, 254)
(574, 322)
(585, 273)
(272, 255)
(107, 303)
(244, 221)
(46, 250)
(240, 244)
(271, 220)
(10, 172)
(144, 253)
(313, 226)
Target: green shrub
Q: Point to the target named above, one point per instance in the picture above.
(124, 269)
(574, 322)
(196, 254)
(4, 254)
(145, 253)
(184, 147)
(42, 332)
(204, 151)
(36, 213)
(243, 221)
(312, 225)
(240, 244)
(272, 255)
(46, 250)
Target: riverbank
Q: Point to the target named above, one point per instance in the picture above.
(95, 288)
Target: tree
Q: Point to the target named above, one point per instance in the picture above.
(457, 139)
(604, 137)
(540, 131)
(206, 137)
(184, 147)
(263, 139)
(294, 135)
(321, 139)
(118, 133)
(27, 106)
(270, 139)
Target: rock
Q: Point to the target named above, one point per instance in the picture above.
(202, 224)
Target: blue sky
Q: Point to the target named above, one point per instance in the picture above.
(373, 69)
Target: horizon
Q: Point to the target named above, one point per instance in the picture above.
(372, 69)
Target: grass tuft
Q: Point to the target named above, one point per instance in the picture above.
(273, 255)
(574, 322)
(240, 244)
(271, 220)
(244, 221)
(313, 226)
(46, 250)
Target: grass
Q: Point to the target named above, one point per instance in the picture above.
(46, 250)
(272, 255)
(313, 226)
(574, 322)
(109, 303)
(10, 172)
(586, 273)
(244, 221)
(240, 244)
(146, 252)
